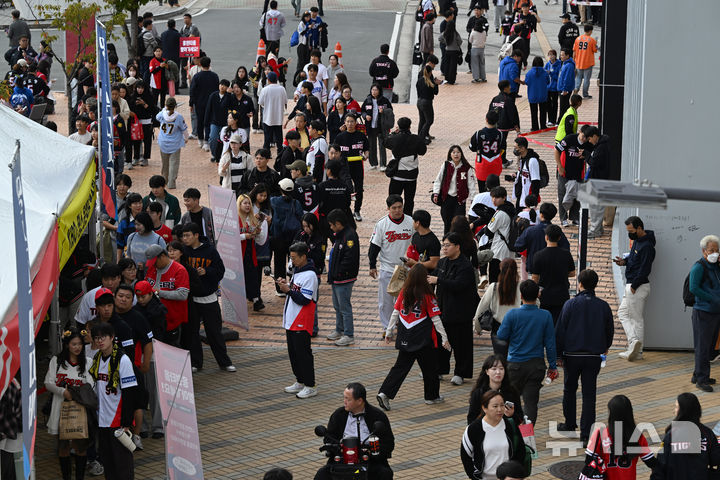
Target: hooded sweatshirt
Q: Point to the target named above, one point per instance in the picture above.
(207, 257)
(639, 262)
(537, 81)
(566, 81)
(509, 70)
(173, 131)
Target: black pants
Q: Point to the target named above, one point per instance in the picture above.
(526, 378)
(585, 369)
(146, 143)
(427, 359)
(303, 54)
(357, 173)
(524, 46)
(301, 356)
(159, 93)
(704, 327)
(427, 116)
(449, 210)
(554, 311)
(376, 470)
(493, 270)
(211, 317)
(320, 7)
(117, 460)
(183, 72)
(200, 114)
(481, 186)
(538, 115)
(273, 134)
(503, 144)
(564, 104)
(376, 143)
(281, 249)
(398, 187)
(451, 64)
(552, 107)
(7, 465)
(460, 336)
(252, 278)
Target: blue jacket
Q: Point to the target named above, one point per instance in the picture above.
(554, 70)
(509, 70)
(705, 285)
(585, 325)
(639, 262)
(533, 240)
(566, 81)
(528, 330)
(537, 81)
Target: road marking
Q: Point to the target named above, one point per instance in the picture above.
(396, 31)
(542, 39)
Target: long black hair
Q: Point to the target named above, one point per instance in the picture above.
(63, 358)
(620, 411)
(463, 160)
(483, 380)
(416, 287)
(689, 409)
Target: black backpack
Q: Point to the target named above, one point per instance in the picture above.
(544, 173)
(517, 226)
(688, 297)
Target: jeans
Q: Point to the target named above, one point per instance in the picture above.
(386, 302)
(526, 378)
(409, 187)
(376, 142)
(427, 116)
(387, 93)
(585, 369)
(583, 77)
(297, 5)
(146, 143)
(477, 63)
(193, 121)
(499, 15)
(705, 326)
(213, 138)
(202, 134)
(630, 313)
(273, 134)
(341, 294)
(170, 167)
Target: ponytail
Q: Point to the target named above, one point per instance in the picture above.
(427, 76)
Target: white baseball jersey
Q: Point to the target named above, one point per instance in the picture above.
(86, 310)
(393, 238)
(109, 404)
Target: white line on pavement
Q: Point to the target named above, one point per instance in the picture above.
(396, 31)
(415, 70)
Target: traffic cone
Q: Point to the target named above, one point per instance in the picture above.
(338, 52)
(261, 49)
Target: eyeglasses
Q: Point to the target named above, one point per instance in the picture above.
(447, 245)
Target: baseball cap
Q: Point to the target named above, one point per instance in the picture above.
(153, 251)
(286, 185)
(272, 77)
(130, 81)
(103, 291)
(235, 138)
(143, 287)
(565, 15)
(298, 165)
(22, 62)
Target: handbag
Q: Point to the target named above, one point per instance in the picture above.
(487, 318)
(417, 55)
(392, 167)
(136, 131)
(397, 280)
(595, 467)
(73, 423)
(529, 451)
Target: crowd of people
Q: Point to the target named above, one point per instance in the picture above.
(500, 265)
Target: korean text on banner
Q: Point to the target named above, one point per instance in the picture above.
(176, 395)
(107, 154)
(229, 246)
(26, 324)
(189, 47)
(72, 221)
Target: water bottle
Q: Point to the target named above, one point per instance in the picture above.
(550, 376)
(603, 360)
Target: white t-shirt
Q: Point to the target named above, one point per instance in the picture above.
(86, 310)
(84, 138)
(529, 171)
(495, 446)
(322, 71)
(109, 404)
(319, 90)
(273, 99)
(526, 214)
(393, 238)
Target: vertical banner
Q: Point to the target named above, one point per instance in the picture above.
(176, 395)
(107, 156)
(26, 325)
(189, 47)
(229, 246)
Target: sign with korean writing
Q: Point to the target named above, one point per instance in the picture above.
(190, 47)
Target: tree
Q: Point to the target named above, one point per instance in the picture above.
(131, 33)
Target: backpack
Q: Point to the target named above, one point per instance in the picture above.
(688, 297)
(294, 39)
(517, 227)
(507, 48)
(544, 173)
(291, 225)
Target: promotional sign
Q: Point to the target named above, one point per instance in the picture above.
(176, 396)
(189, 47)
(26, 325)
(229, 246)
(107, 156)
(72, 222)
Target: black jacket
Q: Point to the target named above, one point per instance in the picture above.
(155, 313)
(567, 35)
(600, 159)
(533, 240)
(202, 85)
(383, 69)
(423, 91)
(406, 147)
(269, 177)
(344, 262)
(216, 111)
(674, 462)
(504, 105)
(285, 159)
(473, 455)
(585, 325)
(456, 291)
(206, 256)
(509, 395)
(143, 111)
(316, 247)
(336, 427)
(367, 109)
(639, 262)
(471, 23)
(170, 42)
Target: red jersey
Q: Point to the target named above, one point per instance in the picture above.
(165, 232)
(621, 467)
(156, 73)
(173, 286)
(415, 328)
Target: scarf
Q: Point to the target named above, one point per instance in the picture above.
(113, 370)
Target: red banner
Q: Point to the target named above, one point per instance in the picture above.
(190, 47)
(176, 395)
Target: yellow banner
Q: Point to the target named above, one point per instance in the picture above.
(72, 222)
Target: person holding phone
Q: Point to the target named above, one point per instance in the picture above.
(494, 376)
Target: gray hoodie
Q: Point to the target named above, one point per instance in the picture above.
(273, 21)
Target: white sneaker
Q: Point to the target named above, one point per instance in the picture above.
(294, 388)
(95, 468)
(382, 169)
(635, 351)
(373, 167)
(192, 137)
(307, 392)
(344, 341)
(564, 223)
(229, 368)
(456, 380)
(358, 217)
(280, 294)
(200, 143)
(334, 335)
(137, 441)
(206, 147)
(624, 355)
(383, 401)
(439, 399)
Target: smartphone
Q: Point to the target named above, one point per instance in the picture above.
(403, 259)
(509, 405)
(509, 178)
(261, 216)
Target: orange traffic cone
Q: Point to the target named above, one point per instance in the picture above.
(338, 52)
(261, 49)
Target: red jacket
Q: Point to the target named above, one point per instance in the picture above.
(156, 73)
(174, 288)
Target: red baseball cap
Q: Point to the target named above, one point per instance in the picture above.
(143, 287)
(103, 291)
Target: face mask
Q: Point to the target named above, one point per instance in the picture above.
(633, 235)
(713, 257)
(516, 152)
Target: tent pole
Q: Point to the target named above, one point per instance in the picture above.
(55, 327)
